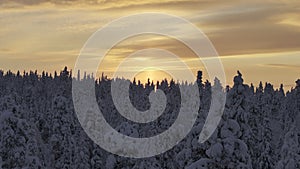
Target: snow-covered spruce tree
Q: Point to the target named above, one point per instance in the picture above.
(289, 155)
(290, 151)
(62, 127)
(264, 156)
(229, 149)
(19, 146)
(82, 148)
(82, 151)
(255, 124)
(279, 112)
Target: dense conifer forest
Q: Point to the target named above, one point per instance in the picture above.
(260, 127)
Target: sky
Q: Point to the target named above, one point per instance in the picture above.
(261, 39)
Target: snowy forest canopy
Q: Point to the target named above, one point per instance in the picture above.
(260, 127)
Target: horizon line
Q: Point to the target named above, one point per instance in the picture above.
(57, 73)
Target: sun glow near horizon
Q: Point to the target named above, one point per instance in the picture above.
(153, 75)
(250, 36)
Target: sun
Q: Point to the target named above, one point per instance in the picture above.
(153, 74)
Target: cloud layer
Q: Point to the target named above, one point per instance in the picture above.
(37, 31)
